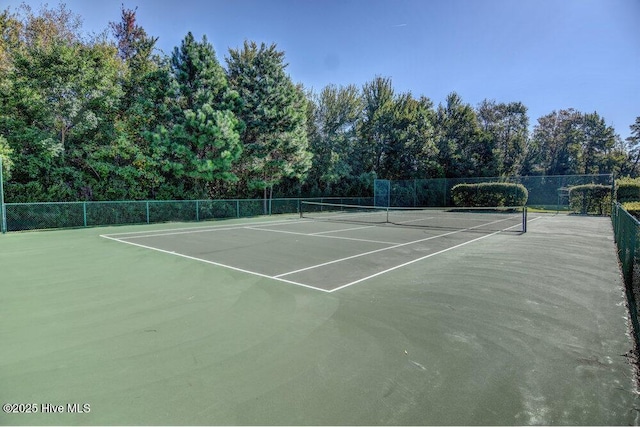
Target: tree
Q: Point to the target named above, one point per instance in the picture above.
(199, 77)
(374, 130)
(506, 128)
(395, 134)
(570, 142)
(6, 153)
(633, 147)
(135, 49)
(10, 30)
(60, 104)
(463, 150)
(555, 146)
(201, 142)
(132, 40)
(598, 144)
(49, 26)
(273, 109)
(332, 122)
(145, 83)
(411, 152)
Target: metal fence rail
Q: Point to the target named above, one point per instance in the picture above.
(626, 230)
(48, 215)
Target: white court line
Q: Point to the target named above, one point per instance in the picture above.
(278, 278)
(413, 220)
(422, 258)
(242, 224)
(364, 254)
(194, 230)
(214, 263)
(316, 235)
(392, 247)
(341, 230)
(414, 260)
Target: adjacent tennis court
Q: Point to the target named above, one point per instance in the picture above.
(286, 320)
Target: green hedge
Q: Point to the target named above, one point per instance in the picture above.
(633, 208)
(489, 194)
(628, 190)
(590, 199)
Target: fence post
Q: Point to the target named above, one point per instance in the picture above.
(147, 206)
(237, 208)
(84, 212)
(197, 211)
(2, 205)
(444, 193)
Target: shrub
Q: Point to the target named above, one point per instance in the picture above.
(633, 208)
(489, 194)
(590, 199)
(628, 190)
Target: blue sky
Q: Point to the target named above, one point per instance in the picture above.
(547, 54)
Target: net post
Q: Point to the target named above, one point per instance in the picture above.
(524, 219)
(2, 205)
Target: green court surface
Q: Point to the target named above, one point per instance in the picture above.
(286, 321)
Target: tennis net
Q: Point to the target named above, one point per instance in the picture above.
(482, 219)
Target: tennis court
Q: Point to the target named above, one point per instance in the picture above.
(294, 321)
(332, 246)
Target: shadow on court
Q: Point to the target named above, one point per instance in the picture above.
(211, 327)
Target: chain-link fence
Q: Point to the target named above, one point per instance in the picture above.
(549, 192)
(626, 230)
(48, 215)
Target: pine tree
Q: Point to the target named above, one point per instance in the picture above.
(275, 144)
(201, 143)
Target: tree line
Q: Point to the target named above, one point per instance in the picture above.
(108, 117)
